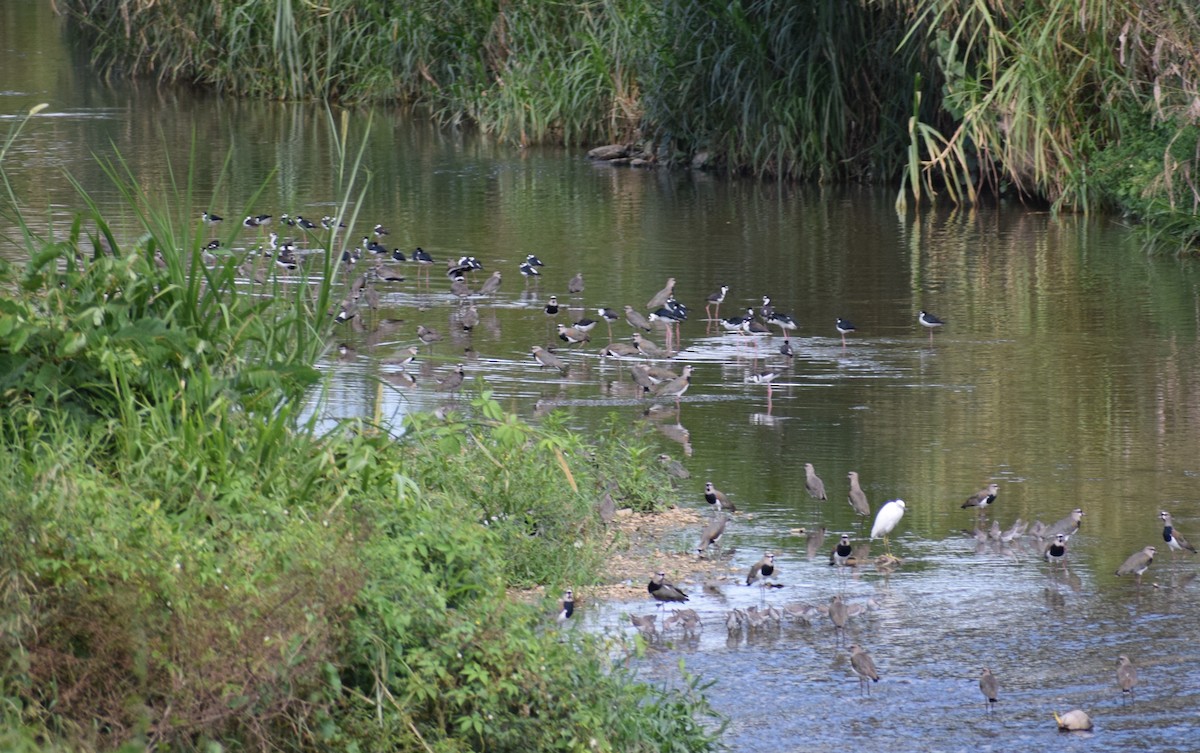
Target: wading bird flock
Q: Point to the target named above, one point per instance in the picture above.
(372, 263)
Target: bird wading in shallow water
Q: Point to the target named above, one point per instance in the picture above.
(844, 328)
(982, 498)
(813, 483)
(857, 497)
(663, 591)
(864, 667)
(929, 322)
(1138, 563)
(990, 687)
(885, 521)
(568, 607)
(1126, 676)
(1175, 541)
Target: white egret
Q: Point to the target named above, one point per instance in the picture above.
(889, 515)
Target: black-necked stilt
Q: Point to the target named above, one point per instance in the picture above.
(533, 261)
(571, 336)
(712, 533)
(609, 316)
(584, 324)
(1126, 676)
(211, 219)
(250, 222)
(546, 358)
(990, 687)
(286, 219)
(491, 284)
(398, 255)
(1138, 563)
(767, 309)
(329, 223)
(764, 568)
(263, 219)
(929, 321)
(845, 327)
(736, 323)
(714, 496)
(374, 247)
(305, 224)
(767, 377)
(712, 306)
(636, 320)
(857, 497)
(1175, 541)
(380, 231)
(1056, 551)
(528, 270)
(886, 520)
(661, 296)
(212, 245)
(575, 284)
(670, 319)
(663, 591)
(1067, 526)
(813, 483)
(785, 322)
(864, 667)
(422, 257)
(286, 260)
(982, 498)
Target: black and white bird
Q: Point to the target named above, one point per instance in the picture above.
(305, 224)
(572, 336)
(712, 306)
(713, 496)
(929, 321)
(568, 607)
(764, 568)
(663, 591)
(533, 261)
(813, 483)
(842, 553)
(211, 219)
(1056, 552)
(982, 498)
(528, 270)
(785, 322)
(1175, 541)
(381, 231)
(864, 667)
(551, 308)
(845, 327)
(785, 350)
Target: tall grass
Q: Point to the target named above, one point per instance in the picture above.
(185, 564)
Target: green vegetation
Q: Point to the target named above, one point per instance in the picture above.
(186, 564)
(1046, 102)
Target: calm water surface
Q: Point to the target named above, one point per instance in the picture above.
(1067, 372)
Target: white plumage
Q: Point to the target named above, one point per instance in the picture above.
(889, 515)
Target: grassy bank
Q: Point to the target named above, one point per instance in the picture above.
(186, 564)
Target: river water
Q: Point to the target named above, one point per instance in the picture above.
(1066, 372)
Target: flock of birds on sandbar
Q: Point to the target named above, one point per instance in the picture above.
(371, 263)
